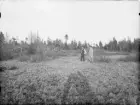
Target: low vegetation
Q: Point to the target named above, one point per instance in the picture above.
(24, 58)
(31, 90)
(76, 89)
(102, 59)
(53, 88)
(129, 58)
(4, 67)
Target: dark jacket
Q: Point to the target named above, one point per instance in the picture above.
(82, 52)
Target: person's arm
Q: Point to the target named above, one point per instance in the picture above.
(85, 51)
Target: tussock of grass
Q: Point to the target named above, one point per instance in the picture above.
(3, 67)
(13, 68)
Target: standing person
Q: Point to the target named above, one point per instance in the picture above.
(83, 52)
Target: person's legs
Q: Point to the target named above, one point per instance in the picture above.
(83, 57)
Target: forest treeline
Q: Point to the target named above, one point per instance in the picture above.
(33, 44)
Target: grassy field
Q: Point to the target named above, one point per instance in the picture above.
(67, 80)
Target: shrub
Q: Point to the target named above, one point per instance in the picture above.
(46, 56)
(6, 54)
(32, 49)
(54, 54)
(102, 59)
(9, 51)
(129, 58)
(37, 58)
(24, 58)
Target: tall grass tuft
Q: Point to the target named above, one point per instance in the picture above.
(13, 68)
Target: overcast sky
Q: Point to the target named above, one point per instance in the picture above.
(91, 21)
